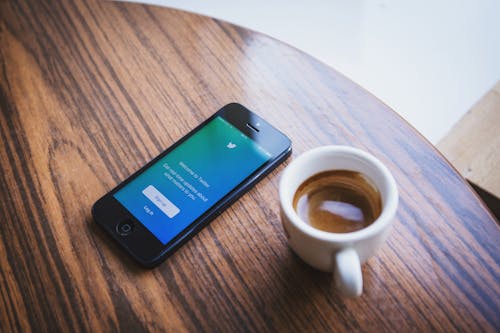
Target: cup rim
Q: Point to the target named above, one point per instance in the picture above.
(389, 204)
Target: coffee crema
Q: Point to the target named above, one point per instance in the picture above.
(338, 201)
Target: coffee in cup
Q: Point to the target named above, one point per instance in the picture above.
(338, 201)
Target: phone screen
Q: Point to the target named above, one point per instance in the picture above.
(177, 189)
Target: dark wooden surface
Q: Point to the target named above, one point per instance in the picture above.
(92, 90)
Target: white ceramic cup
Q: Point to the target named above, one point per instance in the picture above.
(340, 253)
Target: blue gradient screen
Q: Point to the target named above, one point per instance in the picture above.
(177, 189)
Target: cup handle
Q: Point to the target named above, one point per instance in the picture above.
(347, 272)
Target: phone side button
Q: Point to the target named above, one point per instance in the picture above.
(125, 228)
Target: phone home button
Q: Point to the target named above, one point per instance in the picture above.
(125, 228)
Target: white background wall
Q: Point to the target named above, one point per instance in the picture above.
(429, 60)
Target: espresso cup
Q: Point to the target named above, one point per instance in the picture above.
(340, 253)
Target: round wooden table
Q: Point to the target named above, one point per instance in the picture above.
(91, 90)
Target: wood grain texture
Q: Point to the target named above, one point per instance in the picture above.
(473, 144)
(92, 90)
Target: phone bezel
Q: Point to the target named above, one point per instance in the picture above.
(141, 244)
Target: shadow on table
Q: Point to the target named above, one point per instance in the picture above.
(299, 295)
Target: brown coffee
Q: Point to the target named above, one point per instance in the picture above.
(338, 201)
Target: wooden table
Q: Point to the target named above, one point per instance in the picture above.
(91, 90)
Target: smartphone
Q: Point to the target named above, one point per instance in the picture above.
(161, 206)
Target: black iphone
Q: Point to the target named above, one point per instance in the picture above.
(158, 208)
